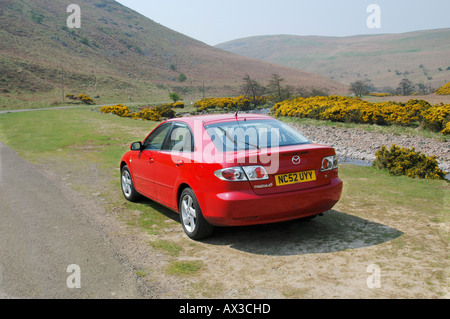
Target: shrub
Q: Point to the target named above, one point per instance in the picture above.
(405, 114)
(230, 103)
(156, 113)
(81, 97)
(175, 97)
(165, 110)
(259, 100)
(119, 109)
(402, 161)
(86, 99)
(444, 90)
(437, 117)
(178, 105)
(182, 77)
(350, 109)
(377, 94)
(446, 130)
(148, 114)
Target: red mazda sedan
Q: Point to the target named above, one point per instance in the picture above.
(231, 170)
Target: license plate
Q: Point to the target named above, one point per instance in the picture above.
(294, 178)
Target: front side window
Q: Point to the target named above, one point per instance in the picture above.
(155, 141)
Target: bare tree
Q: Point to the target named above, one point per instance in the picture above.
(302, 92)
(275, 88)
(287, 92)
(424, 89)
(405, 87)
(252, 89)
(359, 88)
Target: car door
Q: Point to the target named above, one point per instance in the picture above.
(170, 162)
(143, 162)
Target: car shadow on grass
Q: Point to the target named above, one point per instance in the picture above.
(161, 210)
(333, 232)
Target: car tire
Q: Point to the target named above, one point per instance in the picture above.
(194, 224)
(128, 189)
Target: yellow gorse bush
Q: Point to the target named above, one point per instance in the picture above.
(437, 118)
(179, 105)
(377, 94)
(81, 97)
(354, 110)
(403, 161)
(444, 90)
(446, 130)
(259, 100)
(230, 103)
(86, 99)
(119, 109)
(149, 114)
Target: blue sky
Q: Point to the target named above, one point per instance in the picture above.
(214, 21)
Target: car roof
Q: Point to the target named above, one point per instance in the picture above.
(214, 118)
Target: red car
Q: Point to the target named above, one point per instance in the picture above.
(231, 170)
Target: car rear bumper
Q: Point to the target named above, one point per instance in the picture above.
(247, 208)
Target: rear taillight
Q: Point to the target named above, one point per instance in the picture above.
(233, 174)
(237, 174)
(255, 173)
(329, 163)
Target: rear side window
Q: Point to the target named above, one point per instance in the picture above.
(180, 139)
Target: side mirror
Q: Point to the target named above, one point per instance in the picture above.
(137, 146)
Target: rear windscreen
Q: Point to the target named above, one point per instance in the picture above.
(253, 134)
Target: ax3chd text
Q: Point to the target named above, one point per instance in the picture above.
(226, 309)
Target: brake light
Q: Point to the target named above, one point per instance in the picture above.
(256, 173)
(246, 173)
(233, 174)
(329, 163)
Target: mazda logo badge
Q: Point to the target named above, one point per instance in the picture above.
(296, 160)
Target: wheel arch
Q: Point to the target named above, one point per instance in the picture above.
(180, 190)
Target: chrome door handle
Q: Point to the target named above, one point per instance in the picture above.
(179, 163)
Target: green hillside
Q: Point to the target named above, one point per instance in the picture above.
(117, 53)
(423, 56)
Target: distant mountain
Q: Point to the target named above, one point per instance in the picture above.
(116, 52)
(422, 56)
